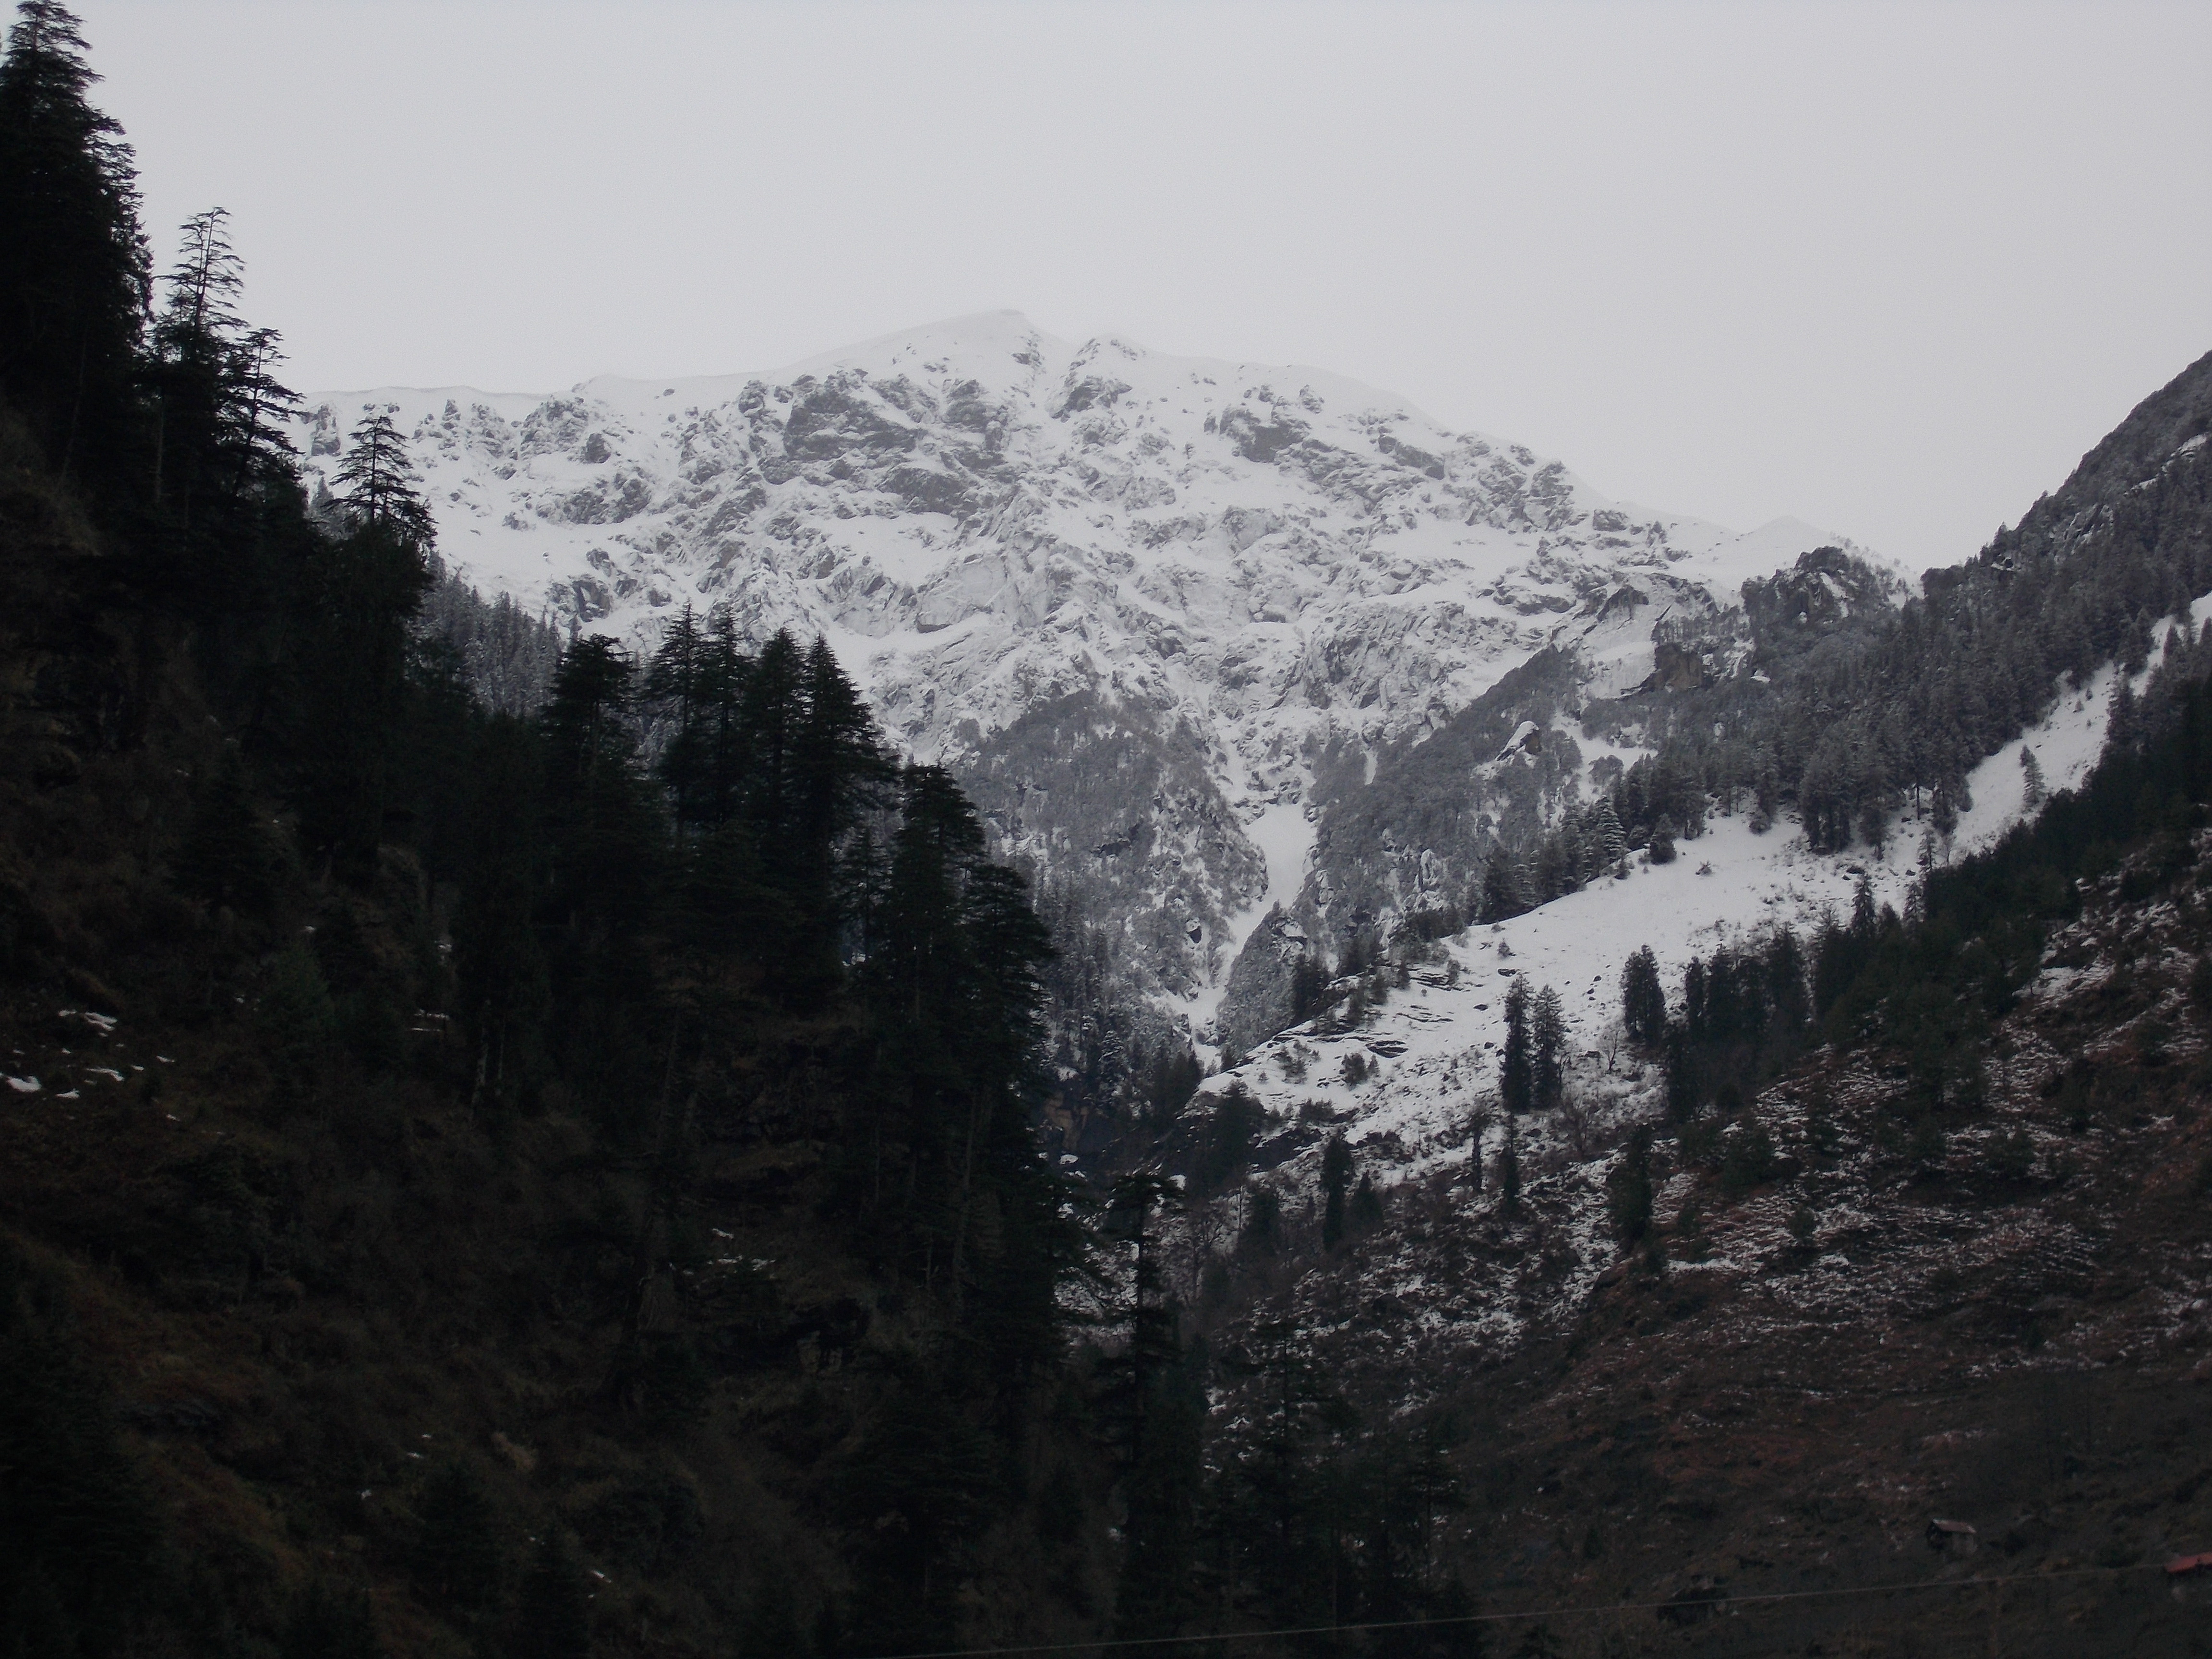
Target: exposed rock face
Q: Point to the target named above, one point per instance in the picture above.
(1257, 1002)
(1133, 600)
(1825, 589)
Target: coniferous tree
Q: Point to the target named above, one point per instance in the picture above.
(841, 773)
(1516, 1070)
(362, 590)
(1501, 888)
(1547, 1036)
(1366, 1207)
(75, 277)
(76, 1525)
(501, 981)
(1683, 1096)
(378, 488)
(218, 410)
(1335, 1177)
(675, 688)
(1611, 839)
(1629, 1188)
(1643, 1000)
(2032, 785)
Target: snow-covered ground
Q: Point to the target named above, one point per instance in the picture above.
(1434, 1048)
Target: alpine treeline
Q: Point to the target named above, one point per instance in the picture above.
(1927, 985)
(1848, 727)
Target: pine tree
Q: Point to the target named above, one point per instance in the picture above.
(1613, 840)
(1335, 1177)
(378, 489)
(1366, 1207)
(502, 991)
(218, 414)
(2031, 785)
(672, 689)
(1629, 1188)
(1502, 894)
(772, 716)
(1683, 1096)
(75, 277)
(602, 833)
(938, 842)
(1159, 1395)
(1547, 1038)
(1517, 1074)
(361, 591)
(77, 1526)
(1643, 1000)
(840, 773)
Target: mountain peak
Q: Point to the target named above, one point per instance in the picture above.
(1141, 603)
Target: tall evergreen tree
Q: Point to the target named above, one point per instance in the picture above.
(75, 276)
(378, 488)
(1335, 1177)
(499, 965)
(841, 773)
(1516, 1070)
(1547, 1038)
(1643, 999)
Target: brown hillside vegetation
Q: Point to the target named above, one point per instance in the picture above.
(1738, 1444)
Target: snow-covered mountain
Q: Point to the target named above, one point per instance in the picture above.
(1133, 600)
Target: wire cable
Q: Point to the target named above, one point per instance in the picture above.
(1713, 1606)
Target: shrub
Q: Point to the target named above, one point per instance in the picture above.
(1804, 1227)
(1748, 1157)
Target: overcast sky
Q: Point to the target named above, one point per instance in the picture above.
(1889, 269)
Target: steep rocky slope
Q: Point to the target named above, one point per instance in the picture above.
(2007, 1333)
(1141, 603)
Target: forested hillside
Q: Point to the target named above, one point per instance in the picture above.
(468, 1188)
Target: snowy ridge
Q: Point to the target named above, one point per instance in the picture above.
(1232, 565)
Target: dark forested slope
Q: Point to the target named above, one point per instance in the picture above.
(465, 1189)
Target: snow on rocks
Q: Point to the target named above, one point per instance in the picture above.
(1426, 1057)
(1252, 562)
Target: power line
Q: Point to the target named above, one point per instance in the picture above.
(1591, 1612)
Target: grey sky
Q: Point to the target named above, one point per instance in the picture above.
(1891, 269)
